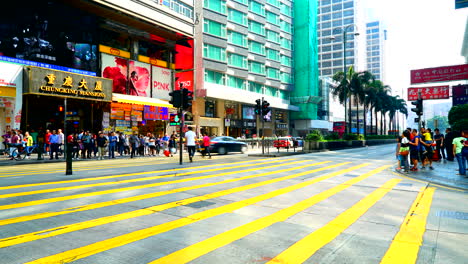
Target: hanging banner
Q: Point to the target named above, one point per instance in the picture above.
(433, 92)
(440, 74)
(162, 82)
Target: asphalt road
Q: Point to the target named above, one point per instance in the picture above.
(344, 206)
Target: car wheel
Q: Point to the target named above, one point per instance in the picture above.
(222, 151)
(244, 149)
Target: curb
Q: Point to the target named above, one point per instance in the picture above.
(275, 155)
(439, 183)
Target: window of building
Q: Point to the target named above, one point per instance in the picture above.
(337, 55)
(237, 60)
(326, 48)
(214, 28)
(325, 17)
(326, 9)
(285, 77)
(237, 38)
(286, 61)
(256, 27)
(337, 23)
(256, 67)
(256, 7)
(210, 109)
(337, 7)
(337, 15)
(215, 5)
(375, 53)
(349, 53)
(255, 87)
(326, 56)
(337, 46)
(348, 21)
(272, 17)
(272, 73)
(327, 72)
(336, 1)
(272, 54)
(347, 13)
(236, 82)
(326, 33)
(283, 94)
(337, 62)
(285, 43)
(182, 8)
(348, 5)
(325, 2)
(237, 17)
(245, 2)
(214, 52)
(214, 77)
(273, 2)
(270, 91)
(272, 36)
(326, 64)
(326, 25)
(256, 47)
(285, 9)
(285, 26)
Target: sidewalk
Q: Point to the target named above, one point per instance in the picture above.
(444, 173)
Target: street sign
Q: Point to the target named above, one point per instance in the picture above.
(440, 74)
(460, 94)
(428, 93)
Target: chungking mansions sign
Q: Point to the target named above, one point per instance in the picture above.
(64, 84)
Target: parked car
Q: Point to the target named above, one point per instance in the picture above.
(299, 141)
(283, 142)
(224, 145)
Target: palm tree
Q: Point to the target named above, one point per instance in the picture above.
(343, 91)
(378, 94)
(363, 79)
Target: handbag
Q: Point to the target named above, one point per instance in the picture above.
(404, 151)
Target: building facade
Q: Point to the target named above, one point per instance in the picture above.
(376, 37)
(113, 61)
(246, 48)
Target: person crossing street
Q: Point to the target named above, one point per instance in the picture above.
(190, 141)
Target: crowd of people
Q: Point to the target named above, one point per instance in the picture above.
(423, 147)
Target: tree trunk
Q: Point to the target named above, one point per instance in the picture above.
(376, 121)
(349, 116)
(381, 124)
(357, 116)
(364, 115)
(371, 117)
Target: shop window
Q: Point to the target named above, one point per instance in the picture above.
(153, 50)
(210, 109)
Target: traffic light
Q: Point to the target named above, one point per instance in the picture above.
(418, 107)
(416, 120)
(60, 108)
(187, 98)
(175, 98)
(265, 108)
(258, 106)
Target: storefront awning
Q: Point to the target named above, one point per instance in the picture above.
(130, 99)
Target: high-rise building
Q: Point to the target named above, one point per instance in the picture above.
(246, 48)
(375, 49)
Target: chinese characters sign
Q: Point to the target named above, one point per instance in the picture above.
(156, 113)
(440, 74)
(64, 84)
(433, 92)
(460, 94)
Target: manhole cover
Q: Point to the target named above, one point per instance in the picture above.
(199, 204)
(453, 214)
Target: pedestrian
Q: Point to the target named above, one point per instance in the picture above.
(61, 141)
(112, 145)
(172, 145)
(151, 144)
(404, 151)
(206, 145)
(428, 152)
(75, 147)
(141, 145)
(54, 144)
(190, 142)
(120, 142)
(47, 141)
(448, 145)
(6, 139)
(133, 140)
(87, 145)
(101, 144)
(439, 140)
(458, 144)
(414, 150)
(28, 139)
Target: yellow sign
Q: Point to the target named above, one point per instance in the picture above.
(152, 61)
(7, 91)
(114, 51)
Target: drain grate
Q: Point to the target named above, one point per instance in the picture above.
(199, 204)
(453, 214)
(351, 175)
(405, 184)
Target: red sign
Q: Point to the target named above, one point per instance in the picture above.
(460, 94)
(433, 92)
(440, 74)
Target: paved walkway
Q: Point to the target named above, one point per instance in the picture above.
(444, 173)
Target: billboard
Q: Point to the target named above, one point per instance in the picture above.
(460, 94)
(440, 74)
(432, 92)
(162, 82)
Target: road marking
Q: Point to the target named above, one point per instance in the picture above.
(76, 196)
(96, 166)
(201, 248)
(123, 181)
(137, 173)
(114, 242)
(302, 250)
(429, 182)
(10, 241)
(405, 246)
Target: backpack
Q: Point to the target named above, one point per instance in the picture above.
(464, 152)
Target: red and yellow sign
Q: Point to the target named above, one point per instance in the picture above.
(114, 51)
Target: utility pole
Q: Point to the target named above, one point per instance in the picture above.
(66, 150)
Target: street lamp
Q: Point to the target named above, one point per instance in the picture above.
(345, 33)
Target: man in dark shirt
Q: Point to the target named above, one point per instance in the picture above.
(439, 140)
(449, 136)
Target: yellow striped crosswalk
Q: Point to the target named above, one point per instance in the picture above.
(255, 182)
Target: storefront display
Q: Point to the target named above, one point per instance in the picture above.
(11, 86)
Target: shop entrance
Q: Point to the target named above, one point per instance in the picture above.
(48, 112)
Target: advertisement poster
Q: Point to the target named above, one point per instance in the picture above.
(156, 113)
(161, 82)
(248, 112)
(129, 77)
(105, 119)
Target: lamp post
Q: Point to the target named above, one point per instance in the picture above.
(344, 30)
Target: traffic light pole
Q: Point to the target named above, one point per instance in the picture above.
(66, 150)
(419, 116)
(263, 130)
(182, 119)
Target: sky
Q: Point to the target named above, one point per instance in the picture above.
(421, 34)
